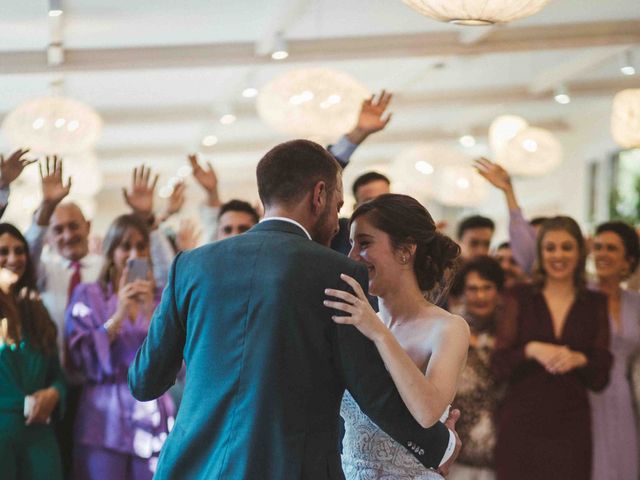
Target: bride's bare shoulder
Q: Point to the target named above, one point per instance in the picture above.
(448, 324)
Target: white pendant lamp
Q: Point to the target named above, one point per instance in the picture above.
(476, 12)
(312, 101)
(53, 124)
(625, 118)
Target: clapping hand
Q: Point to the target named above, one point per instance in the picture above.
(140, 196)
(362, 316)
(12, 167)
(206, 178)
(45, 401)
(372, 117)
(53, 188)
(556, 359)
(565, 361)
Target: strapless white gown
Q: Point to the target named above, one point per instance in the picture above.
(371, 454)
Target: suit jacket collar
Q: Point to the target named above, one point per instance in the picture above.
(277, 225)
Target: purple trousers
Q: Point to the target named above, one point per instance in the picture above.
(95, 463)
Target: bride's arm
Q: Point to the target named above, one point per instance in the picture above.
(426, 397)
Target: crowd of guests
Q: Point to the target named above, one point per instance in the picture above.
(546, 391)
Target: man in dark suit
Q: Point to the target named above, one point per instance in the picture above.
(266, 365)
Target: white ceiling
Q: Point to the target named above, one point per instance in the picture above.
(158, 114)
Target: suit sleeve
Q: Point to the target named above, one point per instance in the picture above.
(368, 381)
(159, 359)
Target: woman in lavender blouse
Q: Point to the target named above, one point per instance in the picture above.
(116, 437)
(616, 252)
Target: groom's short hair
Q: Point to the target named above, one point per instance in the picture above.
(290, 170)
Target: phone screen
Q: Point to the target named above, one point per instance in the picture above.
(138, 269)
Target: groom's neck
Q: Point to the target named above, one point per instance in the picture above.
(296, 214)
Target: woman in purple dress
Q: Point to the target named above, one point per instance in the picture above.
(551, 346)
(616, 252)
(116, 437)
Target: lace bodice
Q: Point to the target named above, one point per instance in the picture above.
(371, 454)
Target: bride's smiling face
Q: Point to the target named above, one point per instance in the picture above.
(373, 248)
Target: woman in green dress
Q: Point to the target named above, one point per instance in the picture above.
(31, 381)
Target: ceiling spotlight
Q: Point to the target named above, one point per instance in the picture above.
(228, 119)
(626, 64)
(280, 51)
(166, 191)
(463, 183)
(55, 8)
(184, 171)
(38, 123)
(561, 95)
(250, 92)
(530, 145)
(424, 167)
(209, 140)
(467, 141)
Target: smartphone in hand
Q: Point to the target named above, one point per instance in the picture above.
(138, 269)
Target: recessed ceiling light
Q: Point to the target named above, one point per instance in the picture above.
(424, 167)
(227, 119)
(249, 92)
(467, 141)
(209, 140)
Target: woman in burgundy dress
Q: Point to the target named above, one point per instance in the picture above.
(552, 346)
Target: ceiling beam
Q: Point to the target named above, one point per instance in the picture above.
(260, 146)
(575, 67)
(516, 39)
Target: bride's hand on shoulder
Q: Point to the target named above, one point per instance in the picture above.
(360, 313)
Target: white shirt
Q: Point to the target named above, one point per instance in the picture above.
(290, 220)
(54, 276)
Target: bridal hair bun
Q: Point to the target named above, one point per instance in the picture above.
(434, 259)
(408, 223)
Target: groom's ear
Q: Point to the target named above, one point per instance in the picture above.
(319, 197)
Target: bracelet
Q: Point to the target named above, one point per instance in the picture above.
(108, 324)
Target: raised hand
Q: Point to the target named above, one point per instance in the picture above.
(499, 178)
(140, 195)
(188, 235)
(175, 202)
(362, 316)
(12, 167)
(493, 173)
(53, 188)
(372, 117)
(206, 178)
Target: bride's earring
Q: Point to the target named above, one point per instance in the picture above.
(403, 260)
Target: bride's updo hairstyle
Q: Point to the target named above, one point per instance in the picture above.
(407, 222)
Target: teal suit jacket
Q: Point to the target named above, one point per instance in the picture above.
(266, 366)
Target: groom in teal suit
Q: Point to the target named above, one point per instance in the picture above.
(266, 366)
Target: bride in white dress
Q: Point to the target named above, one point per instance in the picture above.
(423, 346)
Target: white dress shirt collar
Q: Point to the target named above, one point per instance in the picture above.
(290, 220)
